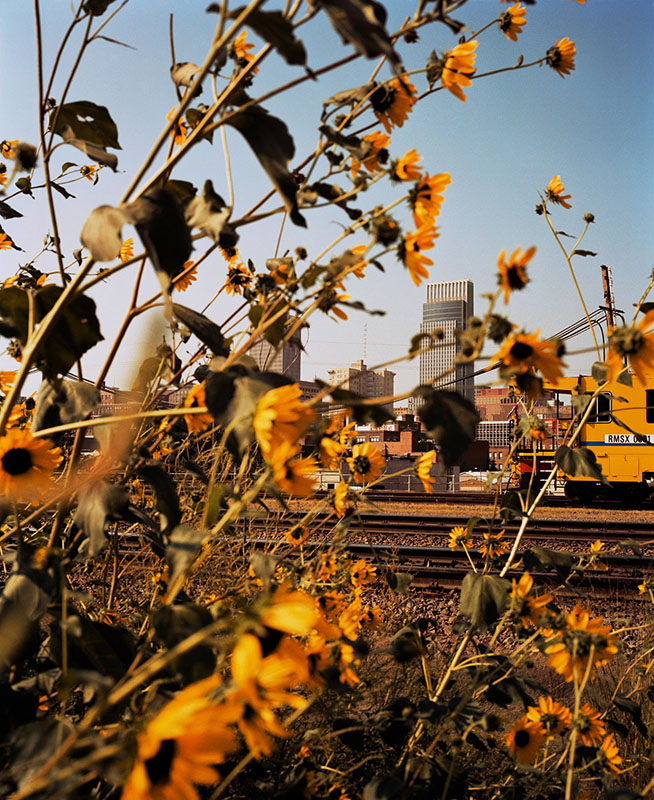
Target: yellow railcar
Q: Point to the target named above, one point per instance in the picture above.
(619, 432)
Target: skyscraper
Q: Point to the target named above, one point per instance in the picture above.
(449, 306)
(366, 382)
(285, 359)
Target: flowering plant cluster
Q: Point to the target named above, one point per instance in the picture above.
(182, 613)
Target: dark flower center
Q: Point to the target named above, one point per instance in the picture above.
(521, 350)
(361, 464)
(549, 722)
(581, 639)
(17, 461)
(158, 767)
(383, 98)
(522, 739)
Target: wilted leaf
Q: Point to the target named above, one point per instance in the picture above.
(7, 212)
(483, 598)
(183, 73)
(633, 545)
(207, 331)
(537, 558)
(451, 420)
(33, 744)
(165, 493)
(583, 253)
(580, 462)
(263, 566)
(348, 97)
(96, 7)
(632, 709)
(98, 505)
(332, 192)
(62, 190)
(361, 23)
(61, 402)
(399, 581)
(599, 371)
(357, 147)
(208, 213)
(383, 787)
(362, 410)
(406, 644)
(183, 545)
(86, 121)
(94, 151)
(350, 738)
(101, 233)
(273, 145)
(76, 330)
(276, 29)
(160, 223)
(174, 624)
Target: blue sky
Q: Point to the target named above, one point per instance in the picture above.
(501, 147)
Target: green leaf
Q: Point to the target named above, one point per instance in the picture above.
(273, 145)
(583, 253)
(174, 624)
(7, 212)
(632, 709)
(76, 330)
(183, 545)
(274, 333)
(399, 581)
(61, 402)
(361, 23)
(451, 421)
(537, 558)
(101, 233)
(62, 190)
(109, 649)
(580, 462)
(86, 121)
(160, 223)
(599, 372)
(276, 29)
(333, 192)
(484, 599)
(207, 331)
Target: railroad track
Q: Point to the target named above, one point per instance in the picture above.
(415, 525)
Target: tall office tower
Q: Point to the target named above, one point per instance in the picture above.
(366, 382)
(449, 306)
(285, 359)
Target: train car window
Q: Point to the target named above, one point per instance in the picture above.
(602, 410)
(649, 404)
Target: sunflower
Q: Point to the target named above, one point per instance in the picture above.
(293, 475)
(392, 102)
(178, 133)
(588, 724)
(584, 643)
(238, 278)
(297, 535)
(127, 250)
(426, 197)
(371, 618)
(596, 547)
(512, 21)
(492, 546)
(554, 192)
(7, 377)
(88, 172)
(645, 587)
(537, 429)
(349, 621)
(512, 274)
(458, 68)
(520, 352)
(561, 56)
(551, 716)
(636, 343)
(406, 168)
(280, 416)
(609, 755)
(366, 463)
(376, 156)
(7, 148)
(459, 537)
(180, 745)
(5, 244)
(525, 605)
(186, 277)
(362, 574)
(524, 740)
(196, 423)
(341, 499)
(411, 249)
(240, 51)
(422, 468)
(26, 465)
(290, 611)
(3, 175)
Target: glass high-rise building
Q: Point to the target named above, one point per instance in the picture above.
(449, 306)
